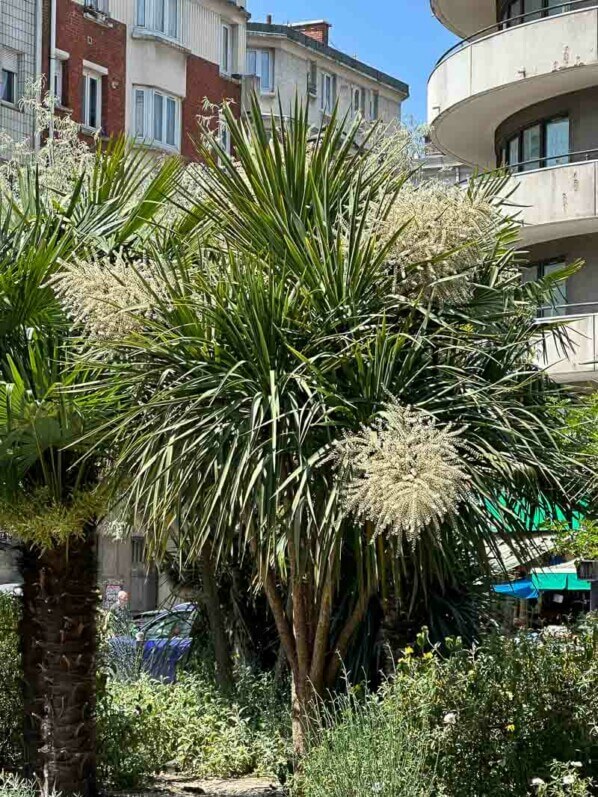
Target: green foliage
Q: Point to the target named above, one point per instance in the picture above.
(565, 781)
(487, 722)
(582, 543)
(14, 786)
(11, 708)
(144, 726)
(379, 745)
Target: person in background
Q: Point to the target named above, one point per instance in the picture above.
(120, 620)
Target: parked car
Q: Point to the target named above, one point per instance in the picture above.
(161, 644)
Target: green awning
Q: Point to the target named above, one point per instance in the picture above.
(559, 582)
(534, 519)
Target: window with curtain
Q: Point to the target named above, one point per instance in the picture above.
(159, 16)
(539, 145)
(157, 118)
(260, 62)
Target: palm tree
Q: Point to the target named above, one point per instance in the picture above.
(50, 496)
(307, 393)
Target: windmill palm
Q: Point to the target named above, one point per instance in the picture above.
(50, 497)
(283, 348)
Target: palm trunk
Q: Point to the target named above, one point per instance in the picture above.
(59, 641)
(224, 673)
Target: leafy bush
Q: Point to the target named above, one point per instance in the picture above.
(481, 723)
(145, 726)
(11, 707)
(379, 745)
(14, 786)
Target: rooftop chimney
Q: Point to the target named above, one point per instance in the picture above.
(269, 19)
(318, 29)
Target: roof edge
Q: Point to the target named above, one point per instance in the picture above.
(325, 49)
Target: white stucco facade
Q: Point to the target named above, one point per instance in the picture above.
(498, 98)
(296, 65)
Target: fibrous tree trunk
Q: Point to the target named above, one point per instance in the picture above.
(211, 600)
(59, 645)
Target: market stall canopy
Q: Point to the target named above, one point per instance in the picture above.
(557, 578)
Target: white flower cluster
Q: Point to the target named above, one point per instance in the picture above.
(440, 244)
(108, 297)
(64, 155)
(403, 474)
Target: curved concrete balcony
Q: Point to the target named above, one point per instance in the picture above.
(465, 17)
(556, 202)
(577, 361)
(483, 81)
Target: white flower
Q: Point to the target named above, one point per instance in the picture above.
(377, 788)
(404, 473)
(445, 228)
(538, 782)
(569, 779)
(576, 764)
(102, 293)
(450, 718)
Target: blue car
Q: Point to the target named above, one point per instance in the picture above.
(161, 644)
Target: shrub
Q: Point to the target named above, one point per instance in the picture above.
(146, 726)
(480, 723)
(379, 745)
(11, 706)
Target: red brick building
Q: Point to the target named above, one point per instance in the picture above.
(144, 67)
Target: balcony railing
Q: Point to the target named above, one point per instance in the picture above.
(531, 16)
(570, 351)
(551, 161)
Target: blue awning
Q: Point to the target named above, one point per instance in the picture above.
(522, 589)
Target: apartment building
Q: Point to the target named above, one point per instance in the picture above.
(144, 67)
(297, 60)
(20, 55)
(520, 90)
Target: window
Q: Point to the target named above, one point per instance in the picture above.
(159, 16)
(157, 118)
(9, 86)
(517, 11)
(327, 93)
(537, 146)
(10, 75)
(101, 6)
(226, 54)
(558, 301)
(374, 102)
(357, 101)
(92, 100)
(57, 89)
(261, 64)
(224, 135)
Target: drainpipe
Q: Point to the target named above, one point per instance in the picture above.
(52, 62)
(38, 62)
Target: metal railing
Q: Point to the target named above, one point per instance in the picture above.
(567, 158)
(568, 311)
(531, 16)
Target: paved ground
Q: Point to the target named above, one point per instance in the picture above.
(176, 786)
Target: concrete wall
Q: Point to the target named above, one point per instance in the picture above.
(582, 108)
(476, 88)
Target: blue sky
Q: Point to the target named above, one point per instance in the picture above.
(400, 37)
